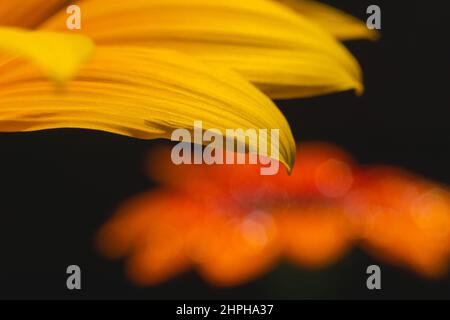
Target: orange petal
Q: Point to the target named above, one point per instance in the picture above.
(161, 257)
(314, 235)
(237, 248)
(154, 229)
(404, 219)
(122, 233)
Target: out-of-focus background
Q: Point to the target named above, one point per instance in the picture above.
(58, 187)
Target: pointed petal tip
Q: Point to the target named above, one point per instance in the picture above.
(289, 168)
(359, 89)
(289, 159)
(374, 35)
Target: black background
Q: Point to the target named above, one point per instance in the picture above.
(59, 186)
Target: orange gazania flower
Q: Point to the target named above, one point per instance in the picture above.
(232, 224)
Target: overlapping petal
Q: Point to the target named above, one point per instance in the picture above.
(282, 52)
(144, 93)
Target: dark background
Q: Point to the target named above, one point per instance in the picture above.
(57, 187)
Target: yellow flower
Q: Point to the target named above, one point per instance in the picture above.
(144, 67)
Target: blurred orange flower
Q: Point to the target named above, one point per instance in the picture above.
(232, 225)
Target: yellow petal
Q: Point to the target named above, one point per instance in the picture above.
(252, 37)
(285, 73)
(28, 13)
(144, 93)
(58, 54)
(338, 23)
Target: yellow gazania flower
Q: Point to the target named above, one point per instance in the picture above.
(144, 67)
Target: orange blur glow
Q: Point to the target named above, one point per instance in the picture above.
(406, 220)
(233, 225)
